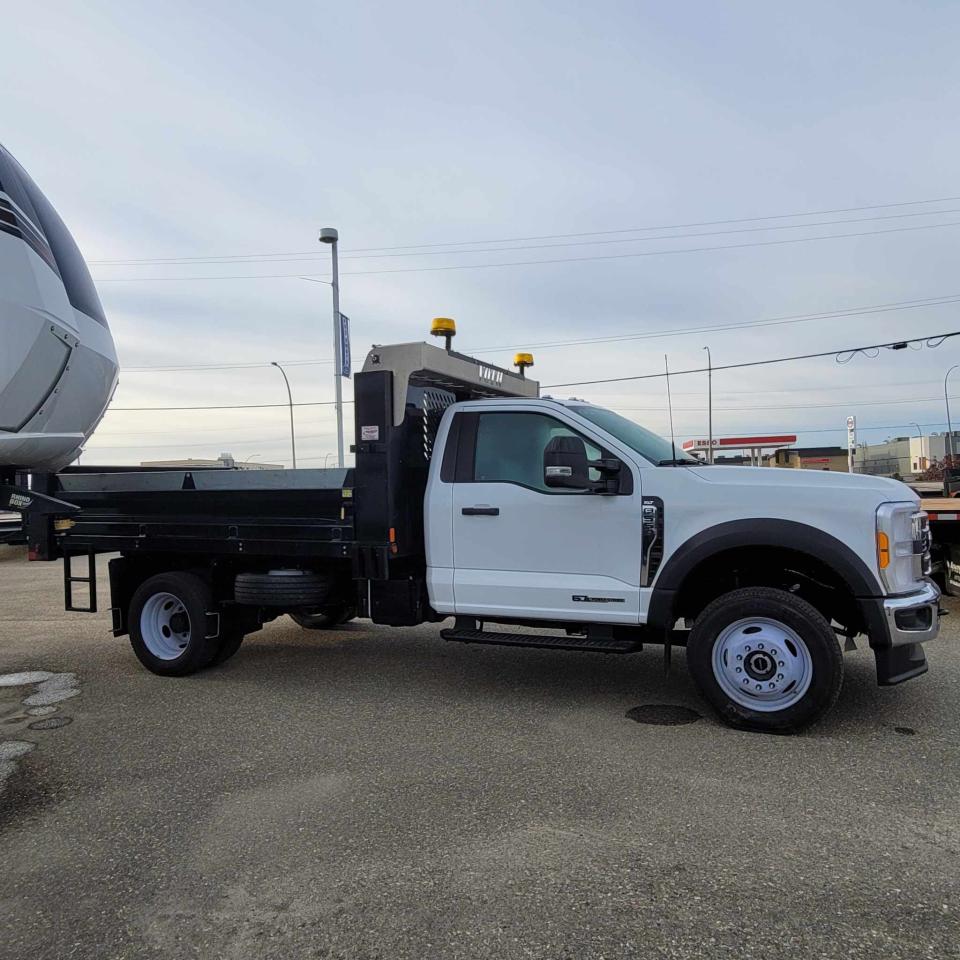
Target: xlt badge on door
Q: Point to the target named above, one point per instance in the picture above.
(583, 598)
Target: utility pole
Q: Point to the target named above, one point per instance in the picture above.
(293, 439)
(946, 400)
(330, 236)
(709, 406)
(851, 442)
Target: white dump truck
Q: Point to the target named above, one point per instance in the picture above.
(474, 498)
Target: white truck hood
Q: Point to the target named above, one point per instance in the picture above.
(810, 480)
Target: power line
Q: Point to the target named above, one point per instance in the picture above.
(218, 432)
(772, 321)
(791, 406)
(800, 406)
(315, 256)
(940, 337)
(727, 393)
(928, 340)
(679, 332)
(246, 365)
(213, 442)
(552, 236)
(235, 406)
(527, 263)
(93, 447)
(843, 429)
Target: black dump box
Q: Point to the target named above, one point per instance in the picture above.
(277, 513)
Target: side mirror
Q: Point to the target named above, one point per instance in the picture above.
(565, 464)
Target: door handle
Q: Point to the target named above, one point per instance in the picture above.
(481, 511)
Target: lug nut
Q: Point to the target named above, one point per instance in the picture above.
(739, 669)
(779, 676)
(780, 663)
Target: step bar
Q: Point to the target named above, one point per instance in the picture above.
(597, 639)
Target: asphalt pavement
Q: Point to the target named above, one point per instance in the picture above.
(379, 793)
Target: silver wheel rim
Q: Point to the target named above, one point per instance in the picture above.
(165, 626)
(762, 664)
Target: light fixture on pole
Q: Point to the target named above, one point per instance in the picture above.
(709, 406)
(293, 440)
(329, 235)
(946, 400)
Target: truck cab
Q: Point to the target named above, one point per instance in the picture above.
(641, 536)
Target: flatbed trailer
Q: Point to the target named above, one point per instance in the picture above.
(944, 517)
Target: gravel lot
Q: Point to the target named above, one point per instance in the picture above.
(378, 793)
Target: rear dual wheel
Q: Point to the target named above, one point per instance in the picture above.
(169, 626)
(324, 618)
(765, 660)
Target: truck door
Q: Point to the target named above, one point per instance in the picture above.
(522, 549)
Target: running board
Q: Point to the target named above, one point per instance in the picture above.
(591, 644)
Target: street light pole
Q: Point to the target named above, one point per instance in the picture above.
(709, 406)
(330, 236)
(946, 400)
(293, 440)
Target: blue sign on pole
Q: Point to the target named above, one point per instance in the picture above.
(344, 345)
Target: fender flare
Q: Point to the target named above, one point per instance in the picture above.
(735, 534)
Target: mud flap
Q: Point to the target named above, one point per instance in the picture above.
(897, 664)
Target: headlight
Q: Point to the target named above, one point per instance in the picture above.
(903, 536)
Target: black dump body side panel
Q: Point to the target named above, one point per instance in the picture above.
(276, 513)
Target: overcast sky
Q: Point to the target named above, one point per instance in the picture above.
(223, 130)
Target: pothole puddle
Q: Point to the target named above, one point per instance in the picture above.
(47, 691)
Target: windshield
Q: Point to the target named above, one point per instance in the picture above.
(647, 444)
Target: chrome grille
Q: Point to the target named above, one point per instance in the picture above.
(921, 539)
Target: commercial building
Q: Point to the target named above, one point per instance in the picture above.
(809, 458)
(225, 461)
(904, 456)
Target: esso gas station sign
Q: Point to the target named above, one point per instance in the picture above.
(740, 443)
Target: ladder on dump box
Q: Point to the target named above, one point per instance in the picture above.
(69, 579)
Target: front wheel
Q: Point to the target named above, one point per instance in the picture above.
(765, 660)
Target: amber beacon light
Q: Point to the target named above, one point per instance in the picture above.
(443, 327)
(523, 360)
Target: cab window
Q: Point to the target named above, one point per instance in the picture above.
(510, 448)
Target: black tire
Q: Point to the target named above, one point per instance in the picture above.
(822, 655)
(325, 618)
(281, 589)
(188, 592)
(229, 644)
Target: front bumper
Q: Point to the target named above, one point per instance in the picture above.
(897, 627)
(913, 618)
